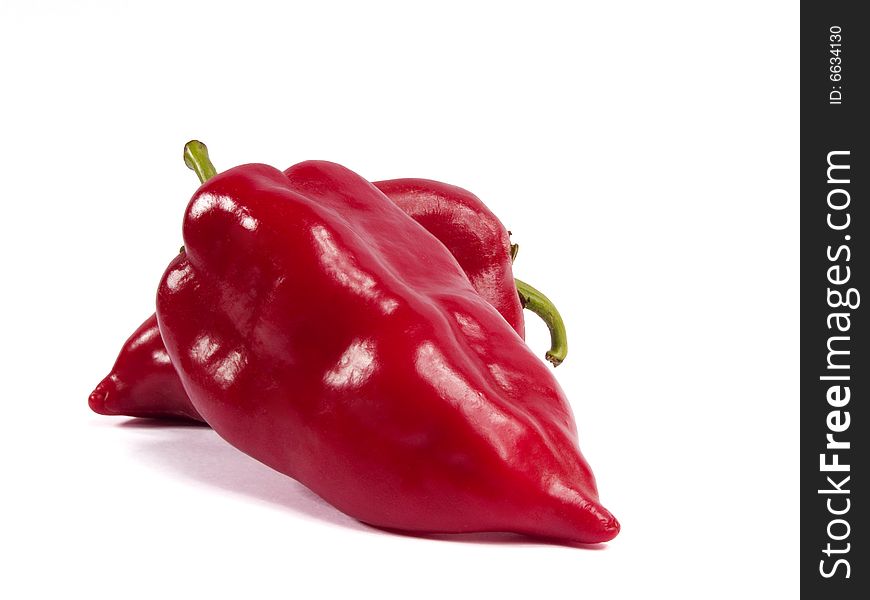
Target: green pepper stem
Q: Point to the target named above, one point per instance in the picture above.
(539, 304)
(197, 160)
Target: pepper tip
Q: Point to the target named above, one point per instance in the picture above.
(611, 528)
(99, 399)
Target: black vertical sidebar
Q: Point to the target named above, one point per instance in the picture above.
(834, 369)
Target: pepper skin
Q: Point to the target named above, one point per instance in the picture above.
(318, 328)
(459, 219)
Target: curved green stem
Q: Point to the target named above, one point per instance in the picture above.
(539, 304)
(197, 160)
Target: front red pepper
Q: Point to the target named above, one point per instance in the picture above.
(321, 330)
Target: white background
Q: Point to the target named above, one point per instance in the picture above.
(644, 154)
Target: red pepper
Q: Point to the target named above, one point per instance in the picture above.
(458, 218)
(318, 328)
